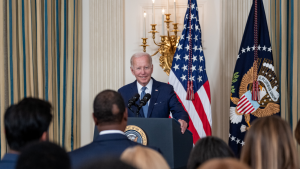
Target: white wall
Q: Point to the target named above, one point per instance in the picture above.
(86, 104)
(103, 55)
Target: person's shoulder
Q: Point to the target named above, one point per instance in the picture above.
(82, 150)
(162, 85)
(7, 165)
(9, 161)
(84, 154)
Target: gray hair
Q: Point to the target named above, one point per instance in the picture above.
(140, 54)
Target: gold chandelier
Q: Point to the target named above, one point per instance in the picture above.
(168, 44)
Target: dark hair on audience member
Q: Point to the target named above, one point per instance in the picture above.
(26, 122)
(109, 107)
(208, 148)
(106, 163)
(269, 144)
(297, 132)
(43, 155)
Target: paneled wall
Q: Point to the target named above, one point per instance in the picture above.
(103, 54)
(114, 33)
(106, 45)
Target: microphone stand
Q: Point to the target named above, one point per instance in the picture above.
(140, 105)
(137, 111)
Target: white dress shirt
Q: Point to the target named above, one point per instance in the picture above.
(148, 90)
(111, 132)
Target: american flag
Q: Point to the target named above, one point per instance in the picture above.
(189, 67)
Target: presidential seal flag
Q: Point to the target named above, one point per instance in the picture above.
(188, 75)
(254, 89)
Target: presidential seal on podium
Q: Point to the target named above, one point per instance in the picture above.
(136, 134)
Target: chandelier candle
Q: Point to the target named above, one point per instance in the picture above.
(167, 6)
(162, 23)
(153, 21)
(175, 10)
(144, 24)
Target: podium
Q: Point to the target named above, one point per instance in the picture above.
(165, 134)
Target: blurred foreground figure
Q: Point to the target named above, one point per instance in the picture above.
(208, 148)
(106, 163)
(144, 158)
(297, 132)
(43, 155)
(226, 163)
(269, 144)
(26, 122)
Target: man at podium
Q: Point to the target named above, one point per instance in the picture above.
(163, 98)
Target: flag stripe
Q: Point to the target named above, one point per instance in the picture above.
(189, 107)
(207, 89)
(244, 106)
(242, 100)
(241, 106)
(250, 110)
(204, 97)
(191, 127)
(202, 114)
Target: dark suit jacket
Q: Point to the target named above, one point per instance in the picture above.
(9, 161)
(107, 145)
(163, 100)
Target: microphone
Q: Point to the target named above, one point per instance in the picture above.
(133, 100)
(144, 101)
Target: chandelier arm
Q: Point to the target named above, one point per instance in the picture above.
(155, 53)
(155, 42)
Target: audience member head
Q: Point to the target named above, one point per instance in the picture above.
(43, 155)
(106, 163)
(225, 163)
(206, 149)
(141, 67)
(27, 121)
(297, 132)
(269, 144)
(144, 158)
(110, 111)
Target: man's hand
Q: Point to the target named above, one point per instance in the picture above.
(183, 125)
